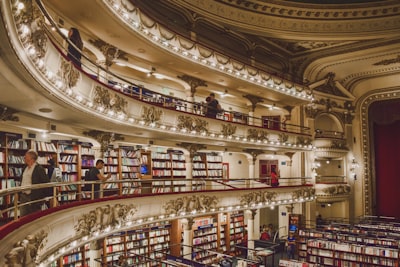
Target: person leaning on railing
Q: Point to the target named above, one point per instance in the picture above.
(33, 174)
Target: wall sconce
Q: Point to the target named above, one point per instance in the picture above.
(353, 166)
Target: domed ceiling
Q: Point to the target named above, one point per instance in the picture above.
(354, 42)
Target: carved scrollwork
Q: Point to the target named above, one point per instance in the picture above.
(253, 198)
(303, 193)
(32, 17)
(337, 190)
(283, 137)
(228, 129)
(104, 138)
(257, 134)
(303, 140)
(25, 252)
(339, 144)
(102, 217)
(191, 203)
(192, 124)
(68, 73)
(151, 114)
(7, 114)
(103, 97)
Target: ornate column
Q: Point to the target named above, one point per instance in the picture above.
(252, 161)
(104, 138)
(194, 83)
(95, 252)
(253, 100)
(250, 214)
(187, 242)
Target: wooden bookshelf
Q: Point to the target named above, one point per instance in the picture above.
(350, 245)
(237, 228)
(151, 241)
(69, 163)
(130, 170)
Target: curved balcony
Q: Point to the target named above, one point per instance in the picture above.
(73, 223)
(101, 95)
(330, 144)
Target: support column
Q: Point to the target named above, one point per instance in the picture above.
(192, 149)
(95, 252)
(187, 242)
(193, 83)
(254, 100)
(252, 161)
(250, 227)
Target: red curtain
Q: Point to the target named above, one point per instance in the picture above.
(387, 164)
(384, 116)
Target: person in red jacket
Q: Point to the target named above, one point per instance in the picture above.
(264, 235)
(274, 178)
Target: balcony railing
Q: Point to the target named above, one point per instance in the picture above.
(84, 190)
(93, 72)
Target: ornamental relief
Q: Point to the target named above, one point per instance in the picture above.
(257, 134)
(303, 193)
(31, 17)
(191, 203)
(285, 17)
(68, 73)
(102, 217)
(228, 129)
(192, 124)
(25, 252)
(254, 198)
(151, 114)
(337, 190)
(104, 99)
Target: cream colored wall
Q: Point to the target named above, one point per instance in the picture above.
(238, 165)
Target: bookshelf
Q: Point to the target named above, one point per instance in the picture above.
(237, 229)
(214, 166)
(205, 237)
(12, 151)
(130, 170)
(112, 160)
(69, 163)
(350, 245)
(149, 242)
(78, 257)
(168, 165)
(199, 171)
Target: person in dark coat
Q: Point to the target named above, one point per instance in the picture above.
(74, 51)
(33, 174)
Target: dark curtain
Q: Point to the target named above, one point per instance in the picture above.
(385, 118)
(387, 167)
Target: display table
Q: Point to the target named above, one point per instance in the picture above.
(265, 253)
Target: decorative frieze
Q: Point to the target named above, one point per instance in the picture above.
(104, 99)
(151, 114)
(25, 252)
(103, 217)
(7, 114)
(188, 204)
(190, 123)
(253, 198)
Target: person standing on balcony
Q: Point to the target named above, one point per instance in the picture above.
(274, 178)
(213, 106)
(95, 175)
(74, 51)
(33, 174)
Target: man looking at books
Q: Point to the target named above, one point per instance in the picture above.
(95, 175)
(33, 174)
